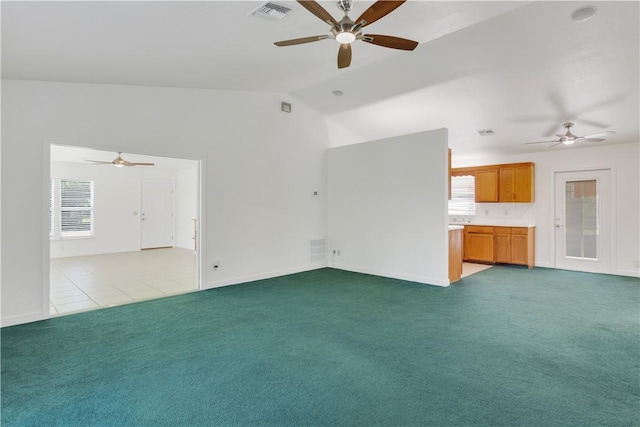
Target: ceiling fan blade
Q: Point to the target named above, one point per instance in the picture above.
(301, 40)
(140, 164)
(99, 162)
(344, 55)
(598, 134)
(390, 41)
(553, 145)
(319, 11)
(539, 142)
(592, 140)
(378, 10)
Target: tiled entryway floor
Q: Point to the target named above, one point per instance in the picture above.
(97, 281)
(469, 268)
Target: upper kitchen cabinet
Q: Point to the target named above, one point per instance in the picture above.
(506, 183)
(487, 185)
(516, 183)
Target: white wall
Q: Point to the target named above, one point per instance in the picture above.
(186, 207)
(624, 162)
(116, 206)
(388, 207)
(261, 166)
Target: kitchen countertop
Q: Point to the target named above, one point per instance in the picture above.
(456, 227)
(494, 224)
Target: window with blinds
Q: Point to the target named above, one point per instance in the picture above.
(76, 208)
(463, 189)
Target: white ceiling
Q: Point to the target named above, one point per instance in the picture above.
(519, 68)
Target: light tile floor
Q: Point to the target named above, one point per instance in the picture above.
(89, 282)
(469, 268)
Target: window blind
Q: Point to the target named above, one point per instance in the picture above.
(76, 208)
(463, 190)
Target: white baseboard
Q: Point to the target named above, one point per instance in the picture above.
(23, 318)
(407, 277)
(261, 276)
(630, 273)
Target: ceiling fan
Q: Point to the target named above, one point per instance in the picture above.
(569, 138)
(120, 162)
(346, 31)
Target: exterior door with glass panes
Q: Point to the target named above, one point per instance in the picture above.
(583, 220)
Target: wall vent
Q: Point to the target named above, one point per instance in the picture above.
(317, 251)
(486, 132)
(270, 11)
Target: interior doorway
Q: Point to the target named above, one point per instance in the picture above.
(123, 210)
(156, 215)
(583, 220)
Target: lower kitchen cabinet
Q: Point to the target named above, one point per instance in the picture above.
(478, 243)
(505, 245)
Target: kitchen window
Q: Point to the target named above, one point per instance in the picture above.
(463, 193)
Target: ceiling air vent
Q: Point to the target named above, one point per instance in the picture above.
(270, 11)
(486, 132)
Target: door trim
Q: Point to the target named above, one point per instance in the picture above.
(611, 223)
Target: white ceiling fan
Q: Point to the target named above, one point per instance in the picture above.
(569, 138)
(120, 162)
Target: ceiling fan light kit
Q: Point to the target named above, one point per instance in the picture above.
(346, 31)
(119, 162)
(569, 137)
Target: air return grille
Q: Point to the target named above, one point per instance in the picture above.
(270, 11)
(317, 251)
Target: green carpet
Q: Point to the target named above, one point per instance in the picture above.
(506, 346)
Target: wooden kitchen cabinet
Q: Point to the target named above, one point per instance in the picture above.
(455, 255)
(516, 183)
(505, 183)
(523, 246)
(478, 243)
(503, 245)
(487, 185)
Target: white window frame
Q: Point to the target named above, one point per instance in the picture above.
(462, 196)
(56, 231)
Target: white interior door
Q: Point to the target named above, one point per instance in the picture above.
(156, 215)
(583, 220)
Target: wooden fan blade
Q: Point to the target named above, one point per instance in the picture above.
(100, 162)
(598, 134)
(378, 10)
(539, 142)
(140, 164)
(390, 41)
(319, 11)
(301, 40)
(344, 55)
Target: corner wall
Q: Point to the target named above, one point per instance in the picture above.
(261, 166)
(388, 207)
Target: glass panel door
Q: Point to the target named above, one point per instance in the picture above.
(582, 221)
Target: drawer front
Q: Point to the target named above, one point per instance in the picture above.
(519, 230)
(475, 229)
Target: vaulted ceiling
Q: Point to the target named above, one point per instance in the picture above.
(521, 69)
